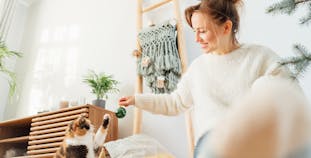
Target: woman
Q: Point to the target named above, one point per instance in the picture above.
(218, 80)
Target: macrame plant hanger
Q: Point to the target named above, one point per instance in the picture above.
(159, 61)
(182, 54)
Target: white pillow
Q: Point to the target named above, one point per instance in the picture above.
(136, 146)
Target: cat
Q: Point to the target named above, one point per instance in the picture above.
(80, 140)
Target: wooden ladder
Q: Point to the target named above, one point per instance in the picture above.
(183, 58)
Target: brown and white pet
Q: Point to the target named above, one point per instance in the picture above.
(80, 140)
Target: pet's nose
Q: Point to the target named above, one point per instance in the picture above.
(85, 125)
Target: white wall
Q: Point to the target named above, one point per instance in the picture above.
(63, 39)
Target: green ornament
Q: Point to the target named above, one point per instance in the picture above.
(121, 112)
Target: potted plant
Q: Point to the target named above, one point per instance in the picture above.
(6, 53)
(101, 85)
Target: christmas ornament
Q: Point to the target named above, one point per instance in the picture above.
(121, 112)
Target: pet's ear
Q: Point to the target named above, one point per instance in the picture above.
(82, 116)
(71, 127)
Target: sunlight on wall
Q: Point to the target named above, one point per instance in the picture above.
(57, 55)
(35, 102)
(71, 66)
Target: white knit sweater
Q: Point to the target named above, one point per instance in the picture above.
(213, 83)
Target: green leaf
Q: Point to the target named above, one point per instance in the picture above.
(6, 53)
(101, 84)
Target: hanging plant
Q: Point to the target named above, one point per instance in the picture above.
(4, 54)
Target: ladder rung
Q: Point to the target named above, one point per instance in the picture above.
(156, 5)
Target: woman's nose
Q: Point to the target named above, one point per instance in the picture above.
(197, 38)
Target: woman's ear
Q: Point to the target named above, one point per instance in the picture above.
(227, 27)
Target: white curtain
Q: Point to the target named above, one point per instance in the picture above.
(6, 15)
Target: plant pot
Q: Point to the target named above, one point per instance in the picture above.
(99, 102)
(63, 104)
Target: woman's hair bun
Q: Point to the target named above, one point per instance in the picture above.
(235, 1)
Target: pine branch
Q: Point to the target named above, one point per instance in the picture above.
(301, 68)
(307, 19)
(291, 61)
(298, 63)
(301, 1)
(301, 50)
(285, 6)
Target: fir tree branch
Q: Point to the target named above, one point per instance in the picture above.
(299, 64)
(301, 50)
(301, 1)
(292, 60)
(307, 18)
(301, 68)
(285, 6)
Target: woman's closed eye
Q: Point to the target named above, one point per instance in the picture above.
(202, 31)
(199, 31)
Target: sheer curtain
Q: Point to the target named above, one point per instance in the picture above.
(7, 13)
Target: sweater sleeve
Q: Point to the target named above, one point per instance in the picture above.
(270, 65)
(269, 68)
(167, 104)
(275, 110)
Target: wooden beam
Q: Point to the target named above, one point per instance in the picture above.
(156, 5)
(42, 146)
(51, 130)
(15, 140)
(139, 81)
(184, 64)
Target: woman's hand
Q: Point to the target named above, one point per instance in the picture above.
(126, 101)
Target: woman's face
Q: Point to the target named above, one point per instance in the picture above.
(206, 32)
